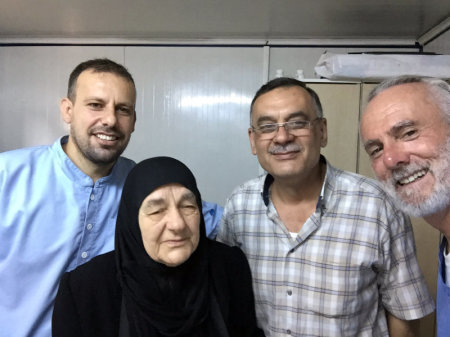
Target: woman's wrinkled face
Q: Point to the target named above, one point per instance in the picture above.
(169, 220)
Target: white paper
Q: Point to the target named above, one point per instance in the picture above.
(378, 67)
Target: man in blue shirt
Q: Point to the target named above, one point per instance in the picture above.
(58, 203)
(406, 132)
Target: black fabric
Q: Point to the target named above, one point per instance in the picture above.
(208, 295)
(89, 298)
(160, 300)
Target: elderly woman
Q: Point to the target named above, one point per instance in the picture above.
(165, 278)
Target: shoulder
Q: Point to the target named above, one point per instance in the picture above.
(101, 269)
(17, 167)
(248, 190)
(89, 299)
(226, 256)
(124, 165)
(354, 182)
(251, 185)
(24, 155)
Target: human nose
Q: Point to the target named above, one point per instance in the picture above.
(175, 220)
(282, 134)
(109, 116)
(394, 155)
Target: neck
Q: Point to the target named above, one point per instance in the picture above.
(302, 188)
(93, 170)
(441, 221)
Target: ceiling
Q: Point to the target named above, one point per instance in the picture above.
(220, 19)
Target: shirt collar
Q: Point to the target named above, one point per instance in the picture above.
(265, 194)
(74, 172)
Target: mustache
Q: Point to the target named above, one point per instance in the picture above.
(107, 130)
(407, 170)
(283, 148)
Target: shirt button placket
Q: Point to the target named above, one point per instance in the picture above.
(89, 226)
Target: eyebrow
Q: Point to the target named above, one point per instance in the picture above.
(393, 132)
(153, 203)
(187, 196)
(290, 116)
(93, 98)
(102, 100)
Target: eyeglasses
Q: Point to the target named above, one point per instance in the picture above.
(295, 128)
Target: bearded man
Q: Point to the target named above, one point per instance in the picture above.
(406, 132)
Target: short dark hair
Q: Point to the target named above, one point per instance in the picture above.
(287, 82)
(438, 89)
(100, 65)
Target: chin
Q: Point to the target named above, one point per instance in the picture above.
(176, 261)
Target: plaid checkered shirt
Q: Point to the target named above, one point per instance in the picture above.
(353, 259)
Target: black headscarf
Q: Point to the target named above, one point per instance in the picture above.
(161, 300)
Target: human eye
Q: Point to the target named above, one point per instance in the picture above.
(297, 124)
(408, 134)
(155, 213)
(124, 110)
(188, 208)
(374, 151)
(95, 105)
(268, 128)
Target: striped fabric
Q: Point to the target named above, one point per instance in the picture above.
(353, 258)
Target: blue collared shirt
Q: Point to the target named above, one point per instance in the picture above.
(212, 214)
(52, 219)
(442, 297)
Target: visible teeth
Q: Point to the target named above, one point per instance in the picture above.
(105, 137)
(413, 177)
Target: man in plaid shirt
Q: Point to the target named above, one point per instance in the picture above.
(329, 253)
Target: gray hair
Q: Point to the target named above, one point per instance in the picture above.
(437, 88)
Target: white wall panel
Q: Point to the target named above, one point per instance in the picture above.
(193, 104)
(32, 82)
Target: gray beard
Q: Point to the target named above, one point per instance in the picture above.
(439, 198)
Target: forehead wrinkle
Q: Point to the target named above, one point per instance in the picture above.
(162, 200)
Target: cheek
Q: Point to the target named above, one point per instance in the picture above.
(126, 124)
(150, 235)
(195, 230)
(379, 169)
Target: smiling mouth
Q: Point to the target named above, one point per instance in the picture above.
(106, 137)
(412, 178)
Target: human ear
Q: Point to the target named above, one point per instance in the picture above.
(66, 109)
(251, 138)
(324, 132)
